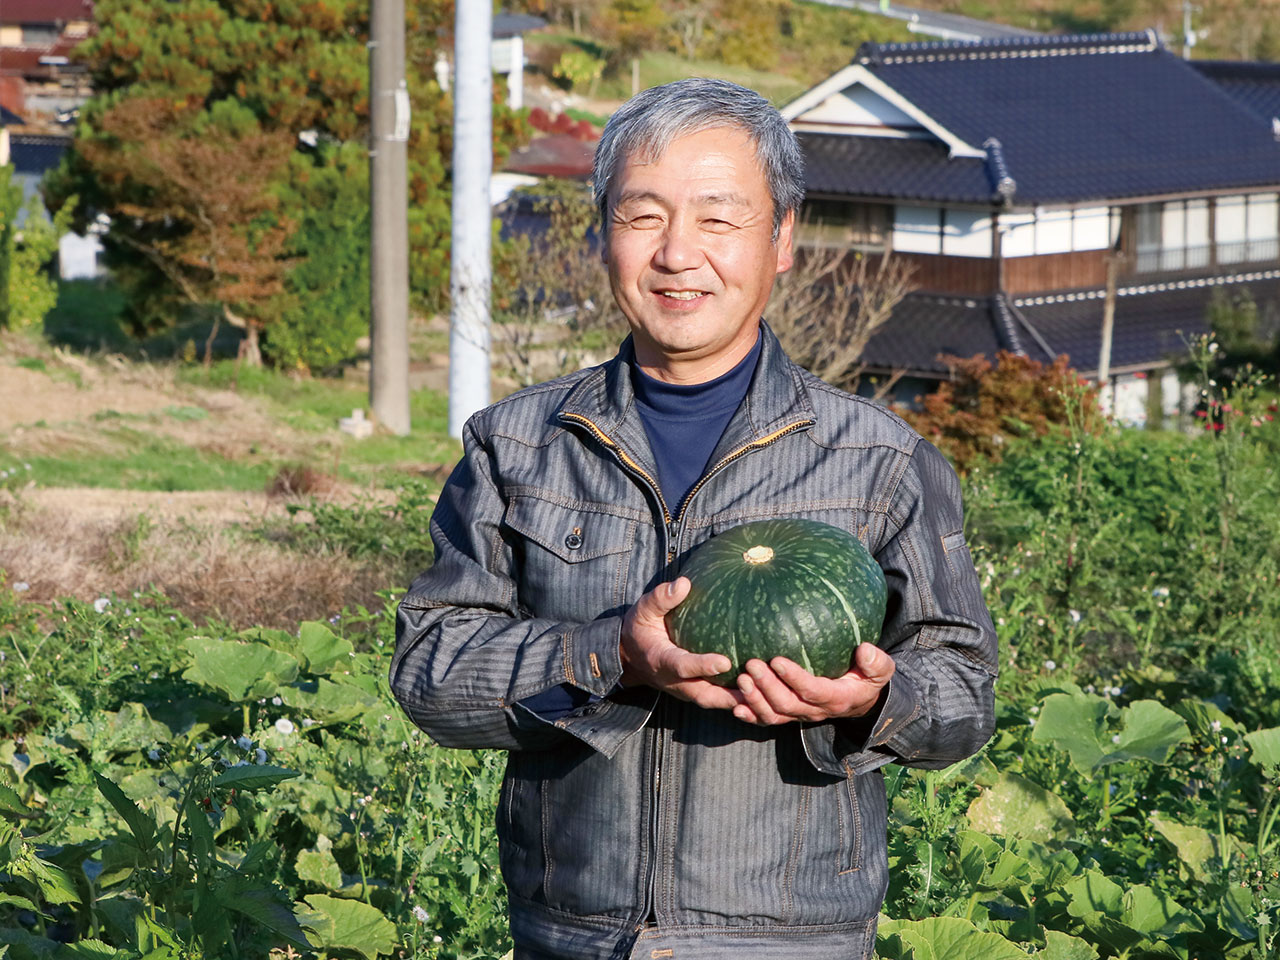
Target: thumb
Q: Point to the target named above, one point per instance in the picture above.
(665, 597)
(873, 662)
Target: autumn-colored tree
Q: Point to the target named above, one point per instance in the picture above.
(204, 220)
(983, 406)
(293, 70)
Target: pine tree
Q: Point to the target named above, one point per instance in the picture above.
(223, 79)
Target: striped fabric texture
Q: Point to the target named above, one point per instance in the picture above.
(641, 825)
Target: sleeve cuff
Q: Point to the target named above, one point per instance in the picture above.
(593, 656)
(861, 744)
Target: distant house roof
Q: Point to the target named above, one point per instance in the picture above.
(8, 118)
(1077, 119)
(1256, 85)
(889, 168)
(33, 60)
(45, 11)
(510, 24)
(555, 155)
(1150, 323)
(35, 154)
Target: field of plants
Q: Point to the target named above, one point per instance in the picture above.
(178, 787)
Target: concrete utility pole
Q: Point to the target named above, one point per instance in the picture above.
(389, 186)
(472, 213)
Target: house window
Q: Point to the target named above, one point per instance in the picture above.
(1246, 228)
(39, 34)
(1172, 236)
(841, 223)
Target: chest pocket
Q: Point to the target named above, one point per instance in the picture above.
(571, 564)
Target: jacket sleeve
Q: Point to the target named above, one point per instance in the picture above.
(939, 706)
(466, 655)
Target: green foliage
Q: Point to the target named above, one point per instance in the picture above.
(578, 69)
(328, 289)
(28, 288)
(171, 811)
(231, 71)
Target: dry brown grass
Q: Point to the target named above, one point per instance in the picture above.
(206, 570)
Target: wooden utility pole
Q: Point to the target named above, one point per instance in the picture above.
(389, 189)
(1108, 325)
(472, 213)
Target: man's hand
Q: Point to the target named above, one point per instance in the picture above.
(782, 691)
(649, 657)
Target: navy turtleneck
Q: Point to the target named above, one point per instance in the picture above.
(684, 422)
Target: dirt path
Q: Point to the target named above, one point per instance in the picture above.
(194, 506)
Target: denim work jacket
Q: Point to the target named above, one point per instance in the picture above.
(638, 824)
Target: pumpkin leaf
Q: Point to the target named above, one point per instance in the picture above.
(322, 647)
(347, 925)
(1079, 724)
(1016, 807)
(240, 671)
(1264, 747)
(950, 938)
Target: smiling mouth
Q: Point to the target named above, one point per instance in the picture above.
(682, 294)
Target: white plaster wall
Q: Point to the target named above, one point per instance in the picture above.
(1262, 217)
(1019, 234)
(856, 104)
(917, 229)
(1053, 231)
(967, 234)
(1129, 400)
(1091, 229)
(78, 256)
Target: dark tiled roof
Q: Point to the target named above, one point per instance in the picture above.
(8, 118)
(891, 168)
(1150, 323)
(510, 24)
(36, 154)
(1256, 85)
(923, 327)
(1082, 118)
(1150, 320)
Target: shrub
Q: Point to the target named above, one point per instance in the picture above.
(977, 412)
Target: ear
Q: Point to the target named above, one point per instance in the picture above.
(785, 255)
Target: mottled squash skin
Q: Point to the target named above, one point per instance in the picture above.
(794, 588)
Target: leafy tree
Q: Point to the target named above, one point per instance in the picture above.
(327, 308)
(203, 219)
(282, 69)
(27, 289)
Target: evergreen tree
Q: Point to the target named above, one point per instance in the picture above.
(235, 74)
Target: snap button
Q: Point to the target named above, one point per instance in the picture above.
(573, 541)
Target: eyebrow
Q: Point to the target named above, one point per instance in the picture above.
(704, 199)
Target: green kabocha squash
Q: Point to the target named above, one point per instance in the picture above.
(796, 588)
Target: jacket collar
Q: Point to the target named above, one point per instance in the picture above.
(777, 399)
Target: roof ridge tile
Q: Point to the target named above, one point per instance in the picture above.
(1144, 41)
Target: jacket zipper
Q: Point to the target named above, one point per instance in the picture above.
(672, 532)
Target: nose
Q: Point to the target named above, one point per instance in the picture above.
(678, 249)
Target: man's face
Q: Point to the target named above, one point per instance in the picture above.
(690, 251)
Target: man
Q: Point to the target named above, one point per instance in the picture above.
(647, 812)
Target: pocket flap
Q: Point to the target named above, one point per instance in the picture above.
(571, 533)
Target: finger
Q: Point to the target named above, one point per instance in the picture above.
(687, 665)
(766, 711)
(706, 694)
(873, 663)
(663, 598)
(817, 691)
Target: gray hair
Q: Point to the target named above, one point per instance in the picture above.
(650, 121)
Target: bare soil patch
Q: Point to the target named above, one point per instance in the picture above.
(197, 548)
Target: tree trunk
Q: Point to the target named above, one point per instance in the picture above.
(249, 351)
